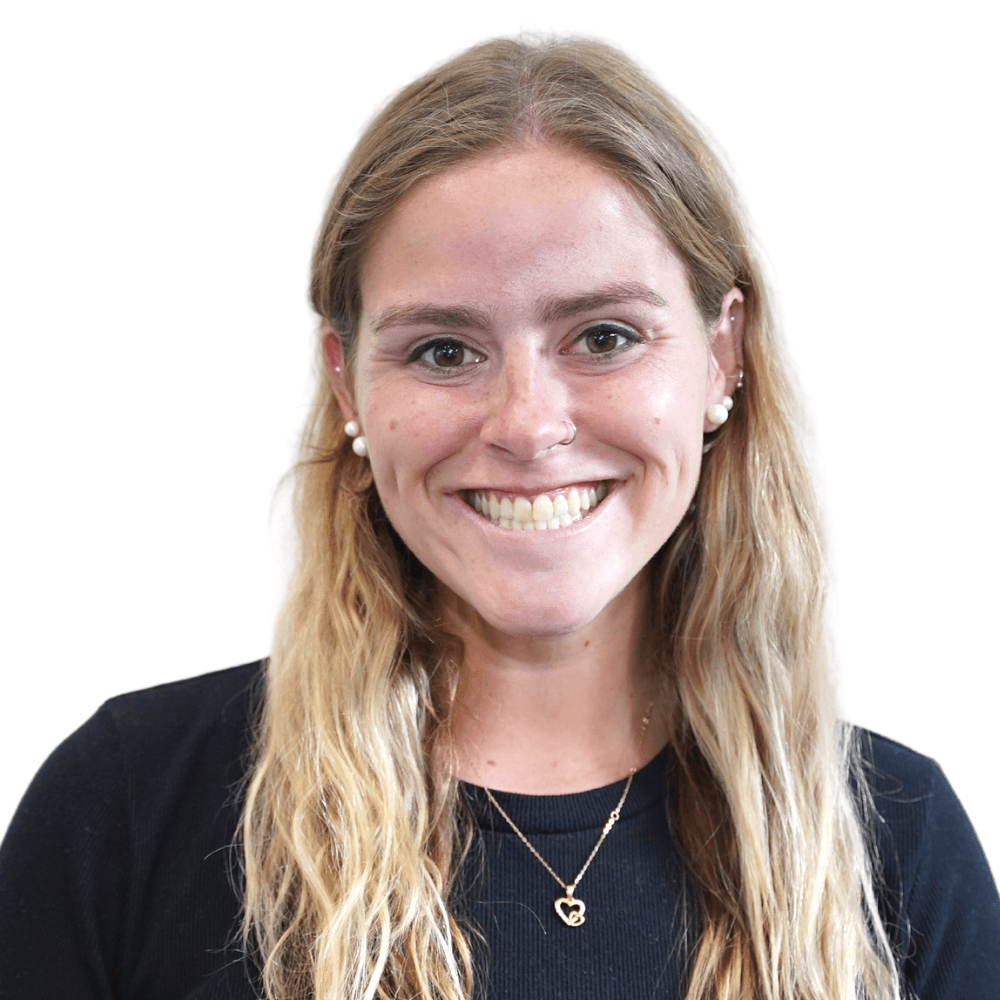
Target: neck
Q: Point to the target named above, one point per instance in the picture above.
(553, 715)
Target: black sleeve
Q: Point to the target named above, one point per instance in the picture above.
(62, 873)
(952, 906)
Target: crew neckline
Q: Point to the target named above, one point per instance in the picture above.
(571, 813)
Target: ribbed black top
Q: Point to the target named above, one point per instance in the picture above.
(116, 876)
(628, 943)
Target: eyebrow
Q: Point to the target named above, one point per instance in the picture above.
(433, 315)
(623, 291)
(553, 308)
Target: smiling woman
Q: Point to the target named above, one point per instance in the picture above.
(521, 292)
(558, 616)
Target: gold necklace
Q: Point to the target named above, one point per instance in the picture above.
(570, 909)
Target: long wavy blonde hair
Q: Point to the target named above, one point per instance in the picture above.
(352, 841)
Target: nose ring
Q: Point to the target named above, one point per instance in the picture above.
(571, 430)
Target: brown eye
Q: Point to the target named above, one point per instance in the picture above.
(602, 340)
(447, 354)
(607, 338)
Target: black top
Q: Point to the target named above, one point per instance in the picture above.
(116, 874)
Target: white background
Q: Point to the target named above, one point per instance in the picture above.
(165, 170)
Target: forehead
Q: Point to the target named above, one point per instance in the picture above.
(519, 222)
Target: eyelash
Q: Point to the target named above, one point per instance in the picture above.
(617, 329)
(417, 355)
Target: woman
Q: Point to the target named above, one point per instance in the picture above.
(548, 712)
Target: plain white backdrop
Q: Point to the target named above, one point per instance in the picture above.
(165, 171)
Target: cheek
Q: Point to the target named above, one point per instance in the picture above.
(660, 416)
(407, 436)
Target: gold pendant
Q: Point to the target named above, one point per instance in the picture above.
(571, 911)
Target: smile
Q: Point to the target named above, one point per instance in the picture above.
(546, 512)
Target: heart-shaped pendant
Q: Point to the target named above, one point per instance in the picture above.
(571, 911)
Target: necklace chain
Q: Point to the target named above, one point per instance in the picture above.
(570, 909)
(612, 819)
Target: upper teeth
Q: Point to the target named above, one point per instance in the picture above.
(546, 511)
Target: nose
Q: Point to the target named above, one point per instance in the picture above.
(528, 405)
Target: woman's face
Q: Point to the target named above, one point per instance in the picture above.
(505, 301)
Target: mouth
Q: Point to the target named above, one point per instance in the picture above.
(548, 511)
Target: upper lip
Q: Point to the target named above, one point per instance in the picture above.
(525, 490)
(534, 491)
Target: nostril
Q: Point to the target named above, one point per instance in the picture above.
(570, 433)
(527, 435)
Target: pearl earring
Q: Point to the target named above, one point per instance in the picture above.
(359, 444)
(718, 413)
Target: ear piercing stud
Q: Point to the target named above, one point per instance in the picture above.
(718, 413)
(359, 445)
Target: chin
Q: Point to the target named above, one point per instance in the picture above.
(536, 614)
(538, 625)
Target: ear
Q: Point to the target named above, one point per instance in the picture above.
(336, 371)
(725, 363)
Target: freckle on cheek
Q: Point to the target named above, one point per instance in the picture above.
(392, 424)
(656, 420)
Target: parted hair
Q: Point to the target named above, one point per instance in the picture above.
(351, 839)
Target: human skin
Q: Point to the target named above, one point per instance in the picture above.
(505, 301)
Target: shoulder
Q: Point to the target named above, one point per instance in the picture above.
(939, 898)
(908, 792)
(193, 733)
(185, 714)
(146, 753)
(122, 848)
(140, 739)
(893, 767)
(915, 812)
(191, 703)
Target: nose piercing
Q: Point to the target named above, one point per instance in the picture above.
(571, 430)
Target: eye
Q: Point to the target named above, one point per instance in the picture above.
(605, 339)
(446, 352)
